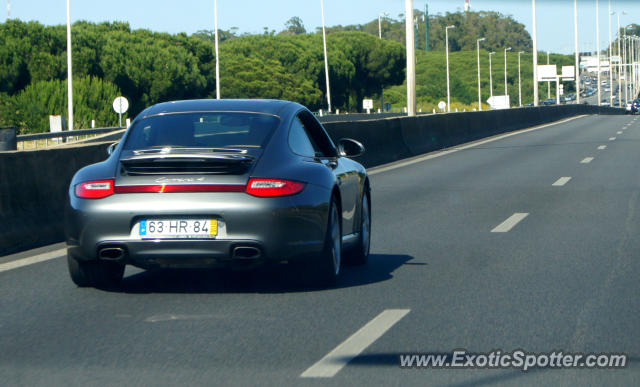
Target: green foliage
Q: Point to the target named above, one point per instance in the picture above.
(431, 86)
(29, 110)
(500, 31)
(294, 26)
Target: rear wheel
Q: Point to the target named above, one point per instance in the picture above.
(97, 274)
(327, 266)
(360, 253)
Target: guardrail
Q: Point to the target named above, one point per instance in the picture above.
(74, 134)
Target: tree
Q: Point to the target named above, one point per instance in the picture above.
(294, 26)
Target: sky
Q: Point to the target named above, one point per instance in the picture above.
(555, 17)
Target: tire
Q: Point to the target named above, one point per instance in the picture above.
(360, 253)
(98, 274)
(326, 270)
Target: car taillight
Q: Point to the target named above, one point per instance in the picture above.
(96, 189)
(273, 187)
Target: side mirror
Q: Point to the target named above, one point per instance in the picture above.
(111, 148)
(348, 147)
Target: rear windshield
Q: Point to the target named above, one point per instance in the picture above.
(202, 130)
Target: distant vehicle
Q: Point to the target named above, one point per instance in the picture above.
(635, 106)
(550, 101)
(210, 183)
(571, 97)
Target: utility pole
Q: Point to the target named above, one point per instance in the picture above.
(548, 82)
(519, 81)
(215, 15)
(536, 98)
(446, 34)
(411, 59)
(577, 70)
(426, 27)
(598, 48)
(326, 61)
(479, 93)
(506, 92)
(610, 65)
(69, 70)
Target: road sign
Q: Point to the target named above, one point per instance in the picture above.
(499, 102)
(568, 73)
(442, 105)
(367, 104)
(561, 89)
(547, 73)
(120, 105)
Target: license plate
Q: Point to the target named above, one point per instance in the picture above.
(178, 228)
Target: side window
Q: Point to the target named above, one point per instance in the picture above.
(299, 140)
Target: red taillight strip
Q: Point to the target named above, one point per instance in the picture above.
(122, 189)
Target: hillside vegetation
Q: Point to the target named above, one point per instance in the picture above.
(111, 59)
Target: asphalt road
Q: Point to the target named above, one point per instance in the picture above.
(565, 276)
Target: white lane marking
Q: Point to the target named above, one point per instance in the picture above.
(601, 147)
(612, 138)
(31, 260)
(586, 160)
(335, 360)
(561, 181)
(511, 222)
(396, 165)
(619, 132)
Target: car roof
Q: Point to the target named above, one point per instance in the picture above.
(269, 106)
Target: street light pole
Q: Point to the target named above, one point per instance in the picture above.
(536, 97)
(610, 66)
(548, 82)
(326, 60)
(620, 63)
(411, 59)
(506, 92)
(598, 48)
(491, 75)
(577, 68)
(479, 92)
(519, 81)
(69, 70)
(215, 15)
(624, 65)
(446, 37)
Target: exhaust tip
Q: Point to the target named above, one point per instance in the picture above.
(111, 253)
(246, 252)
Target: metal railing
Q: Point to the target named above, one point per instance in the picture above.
(62, 137)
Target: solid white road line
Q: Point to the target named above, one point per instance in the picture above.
(561, 181)
(586, 160)
(31, 260)
(612, 138)
(601, 147)
(510, 222)
(396, 165)
(335, 360)
(619, 132)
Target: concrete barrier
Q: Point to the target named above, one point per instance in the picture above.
(8, 140)
(34, 184)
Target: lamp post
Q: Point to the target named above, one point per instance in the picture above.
(215, 13)
(491, 74)
(506, 92)
(411, 59)
(548, 82)
(610, 66)
(519, 81)
(479, 93)
(577, 68)
(598, 48)
(380, 16)
(326, 61)
(536, 98)
(69, 70)
(620, 68)
(446, 37)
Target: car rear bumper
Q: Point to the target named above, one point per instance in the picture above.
(265, 229)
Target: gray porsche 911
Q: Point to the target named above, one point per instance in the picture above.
(220, 183)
